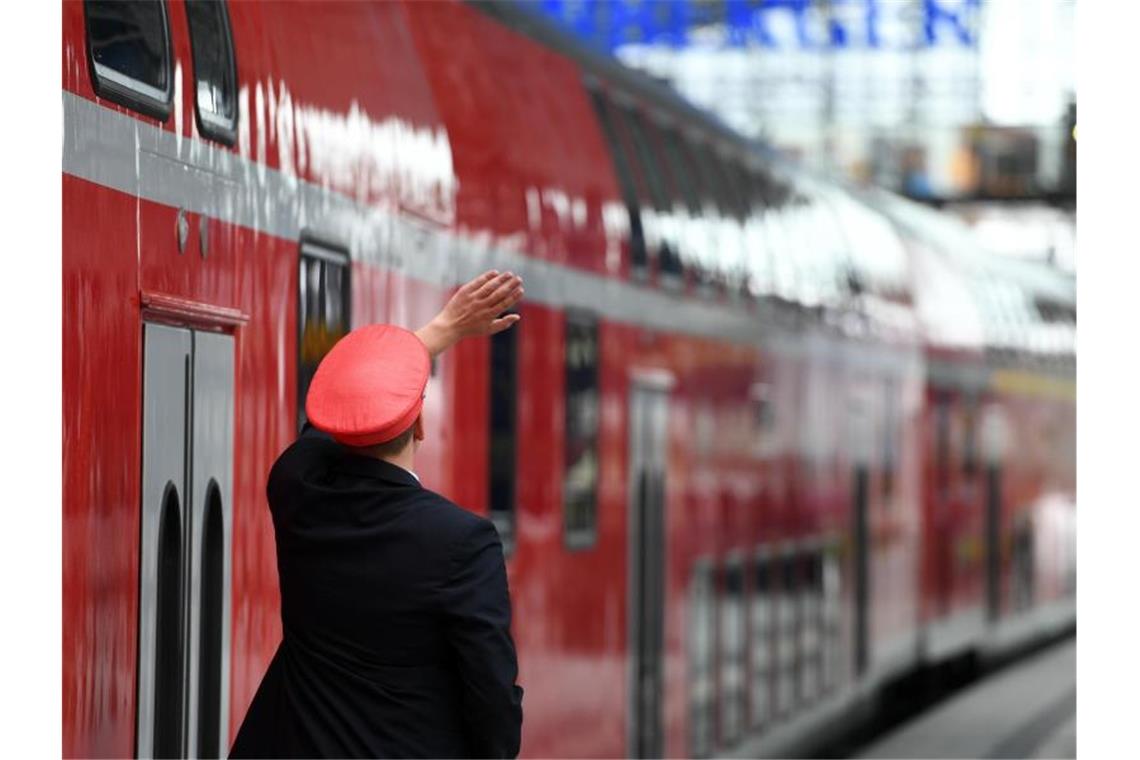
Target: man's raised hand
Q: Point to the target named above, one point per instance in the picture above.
(475, 309)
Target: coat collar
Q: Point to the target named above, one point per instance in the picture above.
(377, 468)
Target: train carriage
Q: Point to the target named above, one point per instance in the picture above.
(706, 446)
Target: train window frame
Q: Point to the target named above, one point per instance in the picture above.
(329, 252)
(585, 536)
(139, 96)
(504, 517)
(210, 124)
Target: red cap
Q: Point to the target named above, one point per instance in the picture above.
(370, 387)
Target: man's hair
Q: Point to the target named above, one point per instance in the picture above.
(389, 448)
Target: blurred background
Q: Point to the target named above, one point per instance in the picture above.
(969, 105)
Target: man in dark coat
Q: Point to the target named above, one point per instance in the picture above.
(394, 601)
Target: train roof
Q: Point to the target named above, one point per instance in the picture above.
(963, 295)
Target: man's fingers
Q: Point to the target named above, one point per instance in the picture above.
(506, 300)
(502, 323)
(488, 288)
(474, 285)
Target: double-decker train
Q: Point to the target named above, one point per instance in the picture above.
(761, 442)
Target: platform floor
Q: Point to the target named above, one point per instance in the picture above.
(1026, 710)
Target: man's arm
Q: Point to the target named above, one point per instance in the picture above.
(477, 611)
(474, 310)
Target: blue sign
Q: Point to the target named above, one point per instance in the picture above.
(609, 24)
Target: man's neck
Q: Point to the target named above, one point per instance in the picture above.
(405, 461)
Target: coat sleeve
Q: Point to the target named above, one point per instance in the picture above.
(477, 610)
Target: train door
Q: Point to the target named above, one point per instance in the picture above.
(184, 569)
(647, 439)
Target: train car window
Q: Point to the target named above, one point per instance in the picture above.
(617, 151)
(735, 191)
(760, 611)
(733, 645)
(210, 630)
(890, 431)
(811, 609)
(622, 130)
(323, 311)
(682, 182)
(787, 610)
(647, 160)
(128, 45)
(622, 165)
(713, 183)
(502, 428)
(970, 435)
(215, 73)
(748, 184)
(580, 484)
(702, 679)
(831, 618)
(169, 639)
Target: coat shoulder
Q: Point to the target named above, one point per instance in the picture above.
(453, 521)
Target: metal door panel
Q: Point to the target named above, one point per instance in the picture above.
(212, 467)
(166, 370)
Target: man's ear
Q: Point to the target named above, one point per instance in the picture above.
(418, 429)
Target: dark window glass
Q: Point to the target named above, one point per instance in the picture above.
(789, 626)
(811, 624)
(618, 151)
(582, 410)
(169, 639)
(504, 393)
(323, 312)
(682, 180)
(733, 645)
(647, 159)
(741, 181)
(970, 435)
(761, 632)
(709, 182)
(130, 53)
(215, 75)
(890, 425)
(1054, 311)
(210, 633)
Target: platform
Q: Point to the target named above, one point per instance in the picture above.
(1026, 710)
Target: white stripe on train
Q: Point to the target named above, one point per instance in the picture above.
(117, 151)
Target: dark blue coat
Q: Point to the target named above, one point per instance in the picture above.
(396, 619)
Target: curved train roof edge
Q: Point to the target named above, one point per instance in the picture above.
(1014, 300)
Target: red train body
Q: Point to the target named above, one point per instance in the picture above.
(730, 509)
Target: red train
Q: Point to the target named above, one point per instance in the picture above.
(760, 443)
